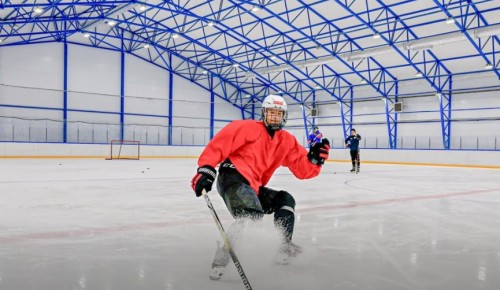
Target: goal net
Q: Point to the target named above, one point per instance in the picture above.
(124, 149)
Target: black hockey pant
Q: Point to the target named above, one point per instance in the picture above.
(355, 158)
(243, 202)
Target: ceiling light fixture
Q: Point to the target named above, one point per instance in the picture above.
(204, 72)
(450, 20)
(211, 23)
(236, 65)
(363, 81)
(255, 8)
(419, 75)
(146, 46)
(376, 36)
(111, 23)
(143, 8)
(273, 57)
(86, 35)
(175, 35)
(488, 66)
(38, 10)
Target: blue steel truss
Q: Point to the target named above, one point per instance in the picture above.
(467, 16)
(242, 51)
(128, 41)
(368, 70)
(383, 22)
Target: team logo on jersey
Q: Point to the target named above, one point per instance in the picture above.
(228, 165)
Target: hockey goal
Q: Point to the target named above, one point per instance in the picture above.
(124, 149)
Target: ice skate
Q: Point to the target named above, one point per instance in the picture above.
(220, 262)
(357, 170)
(287, 252)
(217, 272)
(353, 169)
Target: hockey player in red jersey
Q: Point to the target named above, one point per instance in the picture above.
(249, 152)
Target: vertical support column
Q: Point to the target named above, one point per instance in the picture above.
(170, 99)
(253, 109)
(122, 92)
(445, 102)
(390, 124)
(392, 119)
(346, 111)
(212, 106)
(395, 118)
(65, 92)
(304, 116)
(313, 123)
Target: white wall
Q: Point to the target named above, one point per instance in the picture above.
(38, 66)
(94, 85)
(23, 67)
(192, 112)
(94, 71)
(32, 76)
(419, 125)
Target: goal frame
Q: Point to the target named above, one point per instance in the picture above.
(117, 156)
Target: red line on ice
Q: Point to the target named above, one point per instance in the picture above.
(90, 232)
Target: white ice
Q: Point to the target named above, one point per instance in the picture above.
(96, 224)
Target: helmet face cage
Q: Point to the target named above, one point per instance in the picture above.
(277, 126)
(274, 102)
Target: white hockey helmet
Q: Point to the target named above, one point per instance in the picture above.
(274, 102)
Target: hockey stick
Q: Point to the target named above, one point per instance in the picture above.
(236, 262)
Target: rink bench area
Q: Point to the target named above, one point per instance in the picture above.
(466, 158)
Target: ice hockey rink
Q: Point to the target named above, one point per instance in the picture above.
(96, 224)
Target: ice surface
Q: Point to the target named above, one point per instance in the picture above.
(96, 224)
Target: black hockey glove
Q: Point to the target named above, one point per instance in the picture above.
(318, 153)
(203, 179)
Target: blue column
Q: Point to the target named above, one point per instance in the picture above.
(65, 93)
(170, 99)
(445, 103)
(305, 119)
(253, 109)
(346, 111)
(212, 108)
(122, 94)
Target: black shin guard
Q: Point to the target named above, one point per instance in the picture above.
(284, 214)
(285, 219)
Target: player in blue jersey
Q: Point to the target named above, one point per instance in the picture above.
(352, 142)
(314, 137)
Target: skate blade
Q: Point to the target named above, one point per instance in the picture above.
(216, 273)
(282, 261)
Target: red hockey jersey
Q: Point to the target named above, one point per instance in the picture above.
(255, 154)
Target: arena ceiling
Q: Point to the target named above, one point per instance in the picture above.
(309, 51)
